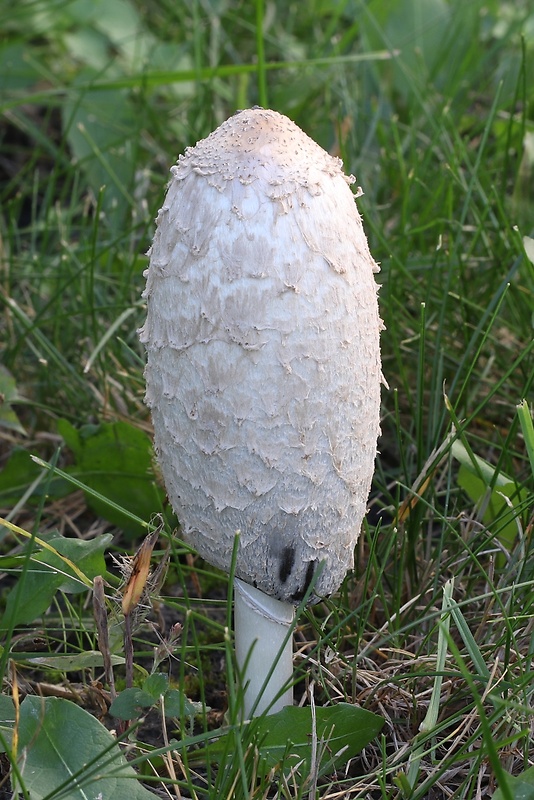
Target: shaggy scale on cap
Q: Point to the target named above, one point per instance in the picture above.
(263, 361)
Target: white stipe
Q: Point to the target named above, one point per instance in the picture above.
(261, 624)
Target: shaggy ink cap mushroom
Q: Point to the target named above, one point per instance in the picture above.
(263, 363)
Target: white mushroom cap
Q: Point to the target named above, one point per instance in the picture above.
(263, 361)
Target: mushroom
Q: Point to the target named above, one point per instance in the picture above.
(263, 374)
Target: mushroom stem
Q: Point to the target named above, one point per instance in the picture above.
(264, 649)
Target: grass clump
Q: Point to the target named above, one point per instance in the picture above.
(430, 105)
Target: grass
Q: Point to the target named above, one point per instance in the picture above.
(430, 105)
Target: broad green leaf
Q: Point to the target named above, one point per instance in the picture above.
(177, 704)
(17, 71)
(65, 752)
(7, 720)
(8, 395)
(20, 472)
(88, 555)
(120, 21)
(415, 27)
(521, 786)
(413, 30)
(72, 662)
(130, 703)
(115, 459)
(27, 601)
(285, 739)
(489, 489)
(89, 46)
(342, 732)
(98, 126)
(156, 685)
(483, 468)
(48, 573)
